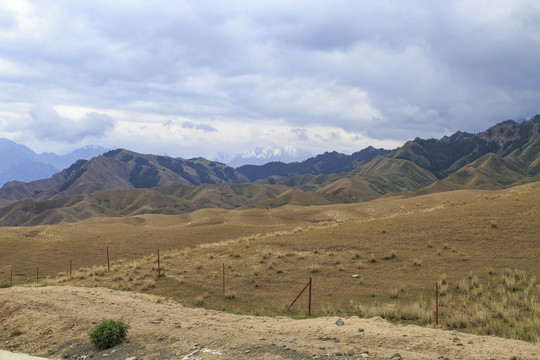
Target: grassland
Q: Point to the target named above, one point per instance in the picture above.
(482, 247)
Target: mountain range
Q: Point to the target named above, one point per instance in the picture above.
(122, 182)
(22, 164)
(263, 155)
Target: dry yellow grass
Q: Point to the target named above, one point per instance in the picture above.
(398, 247)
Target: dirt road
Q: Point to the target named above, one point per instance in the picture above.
(55, 321)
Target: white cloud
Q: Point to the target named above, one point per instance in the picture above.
(386, 71)
(46, 123)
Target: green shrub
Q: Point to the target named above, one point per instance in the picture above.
(15, 332)
(108, 333)
(5, 285)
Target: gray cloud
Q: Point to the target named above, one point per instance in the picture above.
(46, 123)
(301, 134)
(389, 70)
(202, 127)
(206, 128)
(188, 125)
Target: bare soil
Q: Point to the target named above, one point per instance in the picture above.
(55, 322)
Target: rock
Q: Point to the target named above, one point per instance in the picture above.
(360, 330)
(396, 356)
(514, 358)
(364, 355)
(454, 332)
(132, 358)
(155, 322)
(351, 352)
(337, 339)
(356, 276)
(340, 322)
(337, 353)
(247, 351)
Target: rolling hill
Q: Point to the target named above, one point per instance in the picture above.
(121, 169)
(123, 182)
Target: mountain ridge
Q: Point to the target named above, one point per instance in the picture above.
(20, 163)
(506, 154)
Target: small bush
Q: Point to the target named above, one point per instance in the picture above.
(392, 255)
(229, 295)
(15, 332)
(5, 285)
(108, 333)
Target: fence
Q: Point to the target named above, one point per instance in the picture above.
(307, 286)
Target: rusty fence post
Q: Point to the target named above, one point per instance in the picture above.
(223, 276)
(70, 268)
(437, 304)
(309, 306)
(108, 262)
(158, 265)
(11, 277)
(301, 292)
(37, 275)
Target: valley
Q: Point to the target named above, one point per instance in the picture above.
(398, 246)
(375, 233)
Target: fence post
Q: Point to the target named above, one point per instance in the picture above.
(70, 267)
(309, 306)
(37, 275)
(223, 279)
(108, 263)
(11, 277)
(437, 304)
(158, 265)
(301, 292)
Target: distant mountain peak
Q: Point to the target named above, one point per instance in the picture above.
(263, 155)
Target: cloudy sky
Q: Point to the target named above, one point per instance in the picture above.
(189, 78)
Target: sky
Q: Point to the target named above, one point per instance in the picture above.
(198, 78)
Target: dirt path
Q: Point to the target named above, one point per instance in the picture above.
(55, 321)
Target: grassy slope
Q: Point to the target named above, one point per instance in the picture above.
(490, 172)
(399, 247)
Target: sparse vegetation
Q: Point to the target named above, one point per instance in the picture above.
(399, 288)
(391, 255)
(5, 285)
(15, 333)
(108, 333)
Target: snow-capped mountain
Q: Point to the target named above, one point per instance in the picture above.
(22, 164)
(263, 155)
